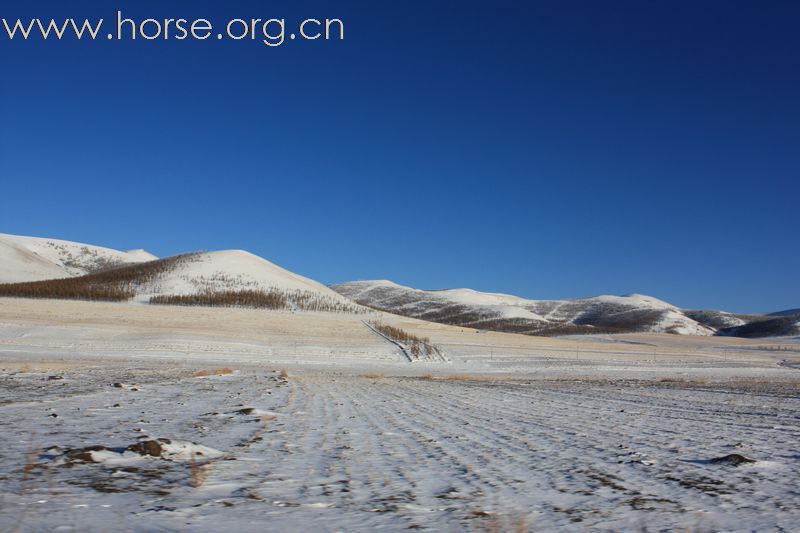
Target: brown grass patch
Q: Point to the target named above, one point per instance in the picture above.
(484, 378)
(197, 473)
(285, 374)
(223, 371)
(692, 381)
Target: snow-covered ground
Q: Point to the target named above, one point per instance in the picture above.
(104, 426)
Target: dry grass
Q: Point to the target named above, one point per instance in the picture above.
(373, 375)
(223, 371)
(285, 374)
(30, 465)
(28, 468)
(466, 377)
(197, 473)
(482, 378)
(496, 523)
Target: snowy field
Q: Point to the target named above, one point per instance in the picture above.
(316, 423)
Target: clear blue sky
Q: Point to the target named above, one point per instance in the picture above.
(545, 149)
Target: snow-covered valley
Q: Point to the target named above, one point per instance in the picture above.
(219, 390)
(142, 418)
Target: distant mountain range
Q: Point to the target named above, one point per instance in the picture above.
(599, 314)
(50, 268)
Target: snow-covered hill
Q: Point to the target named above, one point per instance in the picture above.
(33, 259)
(502, 312)
(64, 269)
(769, 326)
(228, 270)
(105, 274)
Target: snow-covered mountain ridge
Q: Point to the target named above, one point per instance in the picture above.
(503, 312)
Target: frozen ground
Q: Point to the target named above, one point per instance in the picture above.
(611, 433)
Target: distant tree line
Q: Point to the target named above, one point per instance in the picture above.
(65, 290)
(261, 299)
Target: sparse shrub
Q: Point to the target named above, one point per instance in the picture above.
(197, 473)
(285, 374)
(223, 371)
(417, 346)
(201, 374)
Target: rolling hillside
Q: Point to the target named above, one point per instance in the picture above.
(229, 271)
(50, 268)
(42, 268)
(770, 326)
(502, 312)
(33, 259)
